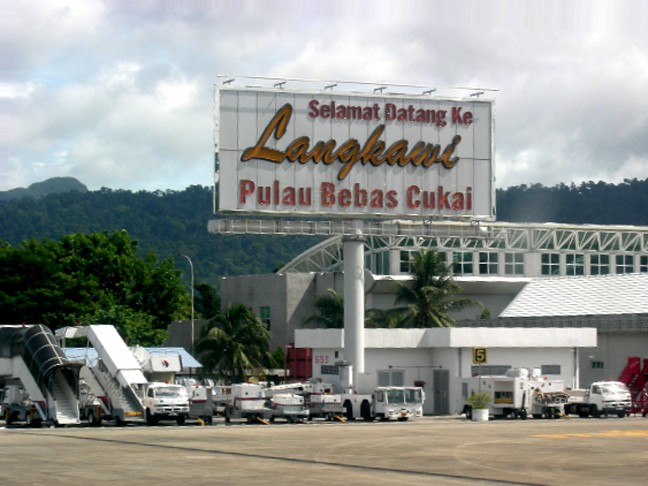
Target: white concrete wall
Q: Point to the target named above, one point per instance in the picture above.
(613, 350)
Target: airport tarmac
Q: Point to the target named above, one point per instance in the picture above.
(430, 450)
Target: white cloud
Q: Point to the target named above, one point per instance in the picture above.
(120, 93)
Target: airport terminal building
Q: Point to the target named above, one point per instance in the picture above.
(537, 278)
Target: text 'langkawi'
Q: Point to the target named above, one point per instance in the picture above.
(373, 152)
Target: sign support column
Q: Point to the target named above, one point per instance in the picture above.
(354, 300)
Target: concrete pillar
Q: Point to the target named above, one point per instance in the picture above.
(354, 299)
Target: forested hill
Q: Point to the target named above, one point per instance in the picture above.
(175, 222)
(587, 203)
(170, 223)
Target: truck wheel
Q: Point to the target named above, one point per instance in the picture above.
(621, 414)
(181, 419)
(227, 415)
(150, 418)
(596, 413)
(523, 414)
(537, 415)
(93, 419)
(365, 412)
(348, 406)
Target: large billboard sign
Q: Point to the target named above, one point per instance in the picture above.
(353, 155)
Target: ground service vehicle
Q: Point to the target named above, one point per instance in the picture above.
(201, 399)
(602, 398)
(322, 402)
(40, 384)
(368, 401)
(247, 401)
(287, 406)
(516, 394)
(164, 401)
(115, 378)
(635, 377)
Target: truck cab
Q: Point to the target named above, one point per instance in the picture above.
(164, 401)
(609, 397)
(398, 403)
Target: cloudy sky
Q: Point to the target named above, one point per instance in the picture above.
(119, 93)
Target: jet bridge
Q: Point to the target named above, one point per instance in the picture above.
(31, 361)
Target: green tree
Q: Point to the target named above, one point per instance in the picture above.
(329, 311)
(207, 301)
(385, 318)
(234, 345)
(428, 299)
(85, 277)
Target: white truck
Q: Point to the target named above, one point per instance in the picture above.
(517, 394)
(322, 401)
(367, 401)
(247, 401)
(287, 406)
(164, 401)
(602, 398)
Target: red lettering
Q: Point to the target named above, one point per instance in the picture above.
(442, 200)
(344, 198)
(359, 196)
(327, 190)
(313, 113)
(376, 199)
(246, 187)
(459, 119)
(392, 202)
(411, 194)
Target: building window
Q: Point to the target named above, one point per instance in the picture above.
(600, 264)
(598, 365)
(391, 378)
(488, 263)
(405, 262)
(575, 264)
(550, 264)
(330, 370)
(624, 264)
(265, 316)
(643, 264)
(489, 370)
(514, 264)
(462, 262)
(550, 369)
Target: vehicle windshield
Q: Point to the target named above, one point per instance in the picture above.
(413, 396)
(170, 391)
(395, 396)
(613, 388)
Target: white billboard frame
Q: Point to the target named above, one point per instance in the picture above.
(303, 153)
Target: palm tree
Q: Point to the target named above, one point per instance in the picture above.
(431, 295)
(234, 344)
(382, 318)
(330, 311)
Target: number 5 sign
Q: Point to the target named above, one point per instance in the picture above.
(479, 355)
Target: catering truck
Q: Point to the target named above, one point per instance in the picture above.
(517, 394)
(600, 399)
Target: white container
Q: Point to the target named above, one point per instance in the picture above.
(480, 415)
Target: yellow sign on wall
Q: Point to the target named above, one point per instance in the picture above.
(479, 356)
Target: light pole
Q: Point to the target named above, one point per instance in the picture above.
(192, 300)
